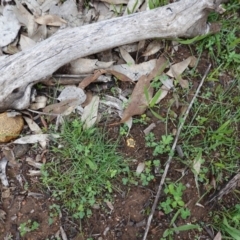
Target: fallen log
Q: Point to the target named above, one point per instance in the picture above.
(19, 72)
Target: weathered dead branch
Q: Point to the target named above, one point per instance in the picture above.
(19, 72)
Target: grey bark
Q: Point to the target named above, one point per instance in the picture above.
(19, 72)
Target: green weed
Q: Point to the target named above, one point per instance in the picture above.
(213, 131)
(147, 175)
(174, 200)
(168, 233)
(223, 47)
(82, 169)
(27, 227)
(228, 222)
(160, 147)
(157, 3)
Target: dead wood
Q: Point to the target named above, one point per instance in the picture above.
(19, 72)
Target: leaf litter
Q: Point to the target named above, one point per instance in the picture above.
(142, 73)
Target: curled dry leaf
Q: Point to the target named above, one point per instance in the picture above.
(33, 163)
(126, 56)
(134, 72)
(153, 48)
(139, 102)
(89, 79)
(32, 139)
(92, 78)
(62, 107)
(33, 126)
(37, 138)
(50, 20)
(84, 65)
(90, 112)
(177, 69)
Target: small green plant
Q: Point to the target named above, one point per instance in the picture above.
(227, 221)
(222, 47)
(83, 165)
(157, 3)
(147, 175)
(53, 213)
(168, 233)
(27, 227)
(142, 120)
(123, 130)
(174, 200)
(160, 147)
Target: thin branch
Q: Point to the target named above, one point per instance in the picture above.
(171, 156)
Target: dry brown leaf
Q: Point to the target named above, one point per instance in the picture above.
(218, 236)
(89, 96)
(177, 69)
(139, 103)
(126, 56)
(33, 126)
(92, 78)
(153, 48)
(87, 66)
(182, 82)
(119, 76)
(134, 72)
(89, 79)
(62, 107)
(51, 20)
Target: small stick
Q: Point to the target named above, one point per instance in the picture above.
(170, 157)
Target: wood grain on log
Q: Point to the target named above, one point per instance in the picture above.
(186, 18)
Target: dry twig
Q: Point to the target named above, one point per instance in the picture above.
(170, 156)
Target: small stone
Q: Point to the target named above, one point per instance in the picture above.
(20, 150)
(10, 127)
